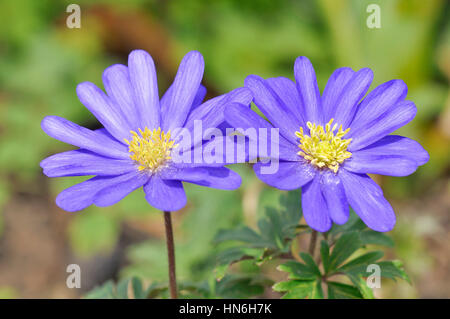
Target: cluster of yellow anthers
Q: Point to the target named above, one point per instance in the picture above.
(150, 149)
(322, 147)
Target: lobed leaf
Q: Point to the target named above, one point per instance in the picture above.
(345, 246)
(337, 290)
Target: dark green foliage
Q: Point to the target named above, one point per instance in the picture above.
(273, 237)
(336, 259)
(339, 269)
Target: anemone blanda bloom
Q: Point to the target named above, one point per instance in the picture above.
(329, 143)
(135, 146)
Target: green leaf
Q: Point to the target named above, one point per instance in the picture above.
(325, 254)
(242, 234)
(155, 289)
(337, 290)
(239, 286)
(234, 254)
(138, 291)
(362, 286)
(362, 261)
(296, 289)
(317, 292)
(376, 238)
(122, 289)
(299, 289)
(275, 232)
(105, 291)
(393, 269)
(298, 270)
(345, 246)
(354, 223)
(310, 263)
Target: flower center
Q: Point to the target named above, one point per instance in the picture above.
(322, 147)
(150, 149)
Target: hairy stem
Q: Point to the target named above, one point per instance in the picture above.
(312, 242)
(170, 255)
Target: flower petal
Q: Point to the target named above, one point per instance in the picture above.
(397, 116)
(286, 91)
(273, 107)
(367, 199)
(244, 118)
(211, 114)
(314, 207)
(305, 78)
(333, 90)
(82, 162)
(198, 99)
(378, 101)
(288, 176)
(166, 195)
(95, 141)
(334, 195)
(214, 177)
(80, 196)
(123, 185)
(393, 155)
(117, 84)
(353, 92)
(184, 90)
(104, 110)
(144, 83)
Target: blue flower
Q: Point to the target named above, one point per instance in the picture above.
(329, 143)
(139, 136)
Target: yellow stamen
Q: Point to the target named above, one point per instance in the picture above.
(322, 147)
(150, 149)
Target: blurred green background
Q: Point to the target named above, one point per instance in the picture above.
(42, 60)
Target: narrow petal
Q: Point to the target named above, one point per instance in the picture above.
(123, 185)
(242, 116)
(399, 146)
(314, 206)
(245, 119)
(198, 99)
(117, 84)
(393, 155)
(145, 88)
(82, 162)
(396, 117)
(288, 175)
(166, 195)
(184, 90)
(305, 78)
(354, 90)
(222, 150)
(80, 196)
(334, 195)
(378, 101)
(286, 91)
(367, 200)
(214, 177)
(273, 107)
(211, 114)
(106, 112)
(95, 141)
(334, 88)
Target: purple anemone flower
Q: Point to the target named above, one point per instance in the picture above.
(140, 134)
(329, 143)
